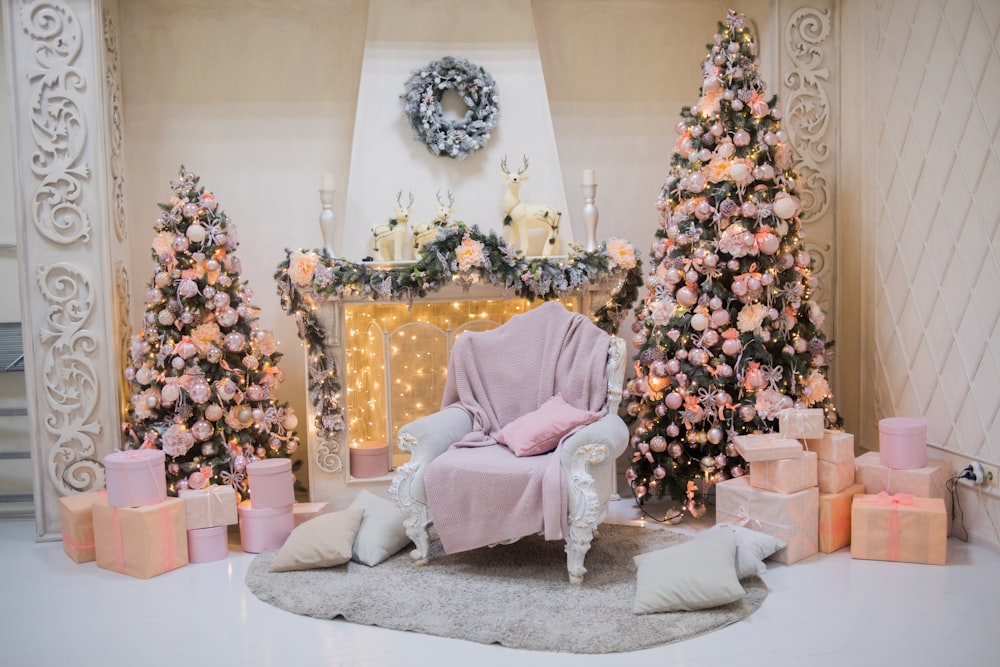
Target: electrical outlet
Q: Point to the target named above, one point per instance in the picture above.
(991, 476)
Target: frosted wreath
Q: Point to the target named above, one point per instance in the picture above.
(422, 105)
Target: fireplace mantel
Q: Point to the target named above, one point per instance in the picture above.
(376, 356)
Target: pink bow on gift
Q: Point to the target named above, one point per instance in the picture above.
(893, 528)
(883, 498)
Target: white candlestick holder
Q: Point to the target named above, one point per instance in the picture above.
(590, 214)
(326, 219)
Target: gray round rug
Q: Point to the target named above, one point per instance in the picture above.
(517, 595)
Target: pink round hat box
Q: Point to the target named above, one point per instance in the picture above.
(902, 443)
(271, 483)
(263, 529)
(369, 459)
(206, 545)
(135, 477)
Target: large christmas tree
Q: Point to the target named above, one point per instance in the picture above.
(728, 334)
(202, 373)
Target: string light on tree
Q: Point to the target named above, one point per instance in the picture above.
(728, 333)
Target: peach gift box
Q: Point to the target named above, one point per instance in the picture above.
(801, 423)
(77, 521)
(785, 475)
(140, 541)
(212, 506)
(792, 517)
(927, 482)
(835, 518)
(900, 528)
(766, 447)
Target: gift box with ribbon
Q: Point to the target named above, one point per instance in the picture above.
(77, 523)
(212, 506)
(927, 482)
(803, 423)
(785, 475)
(140, 541)
(766, 447)
(792, 517)
(835, 518)
(900, 528)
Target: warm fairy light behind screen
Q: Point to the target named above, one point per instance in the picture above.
(397, 359)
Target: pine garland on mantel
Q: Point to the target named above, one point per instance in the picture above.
(460, 254)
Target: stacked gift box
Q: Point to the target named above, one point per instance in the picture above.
(835, 478)
(267, 519)
(138, 530)
(903, 514)
(781, 496)
(209, 512)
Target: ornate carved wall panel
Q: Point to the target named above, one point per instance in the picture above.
(807, 93)
(68, 166)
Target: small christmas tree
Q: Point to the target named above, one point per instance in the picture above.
(203, 374)
(728, 334)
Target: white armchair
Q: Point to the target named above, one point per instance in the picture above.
(586, 459)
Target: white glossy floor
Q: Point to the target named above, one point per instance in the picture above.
(827, 610)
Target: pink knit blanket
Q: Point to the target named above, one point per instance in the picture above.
(478, 492)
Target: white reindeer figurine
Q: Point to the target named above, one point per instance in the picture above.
(392, 239)
(427, 231)
(521, 217)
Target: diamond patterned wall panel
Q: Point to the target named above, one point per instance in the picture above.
(936, 314)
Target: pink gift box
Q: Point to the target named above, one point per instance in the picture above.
(264, 529)
(272, 484)
(785, 475)
(902, 442)
(135, 477)
(766, 447)
(77, 522)
(801, 423)
(206, 545)
(834, 446)
(140, 541)
(834, 477)
(792, 517)
(305, 511)
(899, 528)
(926, 482)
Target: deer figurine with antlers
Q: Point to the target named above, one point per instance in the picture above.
(392, 239)
(521, 217)
(427, 231)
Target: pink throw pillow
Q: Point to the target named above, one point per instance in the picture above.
(539, 432)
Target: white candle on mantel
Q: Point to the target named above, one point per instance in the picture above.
(588, 177)
(326, 182)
